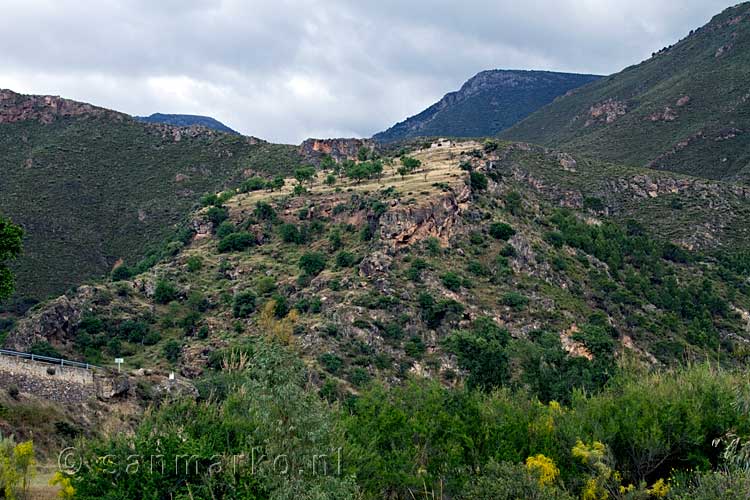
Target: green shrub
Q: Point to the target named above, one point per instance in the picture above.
(172, 350)
(452, 281)
(44, 348)
(415, 347)
(312, 263)
(253, 184)
(164, 292)
(331, 363)
(122, 273)
(236, 242)
(359, 377)
(514, 300)
(264, 211)
(217, 215)
(478, 181)
(501, 231)
(243, 304)
(345, 259)
(482, 352)
(289, 233)
(225, 229)
(194, 263)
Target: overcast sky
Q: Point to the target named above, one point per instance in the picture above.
(287, 70)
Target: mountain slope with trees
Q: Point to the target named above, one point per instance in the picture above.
(686, 109)
(92, 186)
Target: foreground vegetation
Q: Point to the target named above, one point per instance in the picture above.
(644, 435)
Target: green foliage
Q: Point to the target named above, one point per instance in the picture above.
(290, 234)
(11, 245)
(194, 263)
(509, 481)
(217, 215)
(501, 231)
(452, 281)
(164, 292)
(236, 242)
(264, 211)
(482, 352)
(435, 312)
(121, 273)
(331, 362)
(243, 304)
(225, 229)
(478, 181)
(305, 174)
(44, 348)
(171, 351)
(312, 263)
(249, 402)
(253, 184)
(514, 300)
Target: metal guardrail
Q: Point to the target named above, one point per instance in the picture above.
(47, 359)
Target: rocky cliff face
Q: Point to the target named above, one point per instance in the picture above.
(312, 150)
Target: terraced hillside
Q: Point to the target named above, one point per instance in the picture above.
(92, 187)
(686, 109)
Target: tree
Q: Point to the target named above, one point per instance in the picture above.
(501, 231)
(363, 154)
(277, 183)
(482, 352)
(236, 242)
(164, 292)
(327, 162)
(304, 174)
(478, 181)
(11, 245)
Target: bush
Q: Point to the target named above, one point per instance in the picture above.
(514, 300)
(360, 377)
(236, 242)
(225, 229)
(415, 347)
(331, 363)
(217, 215)
(253, 184)
(345, 259)
(482, 352)
(478, 181)
(164, 292)
(243, 304)
(122, 273)
(501, 231)
(289, 233)
(194, 263)
(452, 281)
(508, 481)
(44, 348)
(264, 211)
(312, 263)
(171, 351)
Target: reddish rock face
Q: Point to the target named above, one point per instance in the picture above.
(314, 149)
(606, 112)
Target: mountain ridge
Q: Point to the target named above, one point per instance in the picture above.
(185, 120)
(486, 104)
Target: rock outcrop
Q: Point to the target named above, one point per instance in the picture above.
(312, 150)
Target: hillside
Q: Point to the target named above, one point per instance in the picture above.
(549, 243)
(487, 103)
(186, 121)
(497, 286)
(686, 109)
(92, 187)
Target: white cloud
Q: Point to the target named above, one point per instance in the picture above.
(285, 70)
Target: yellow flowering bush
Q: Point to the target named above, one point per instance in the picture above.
(66, 488)
(17, 467)
(544, 468)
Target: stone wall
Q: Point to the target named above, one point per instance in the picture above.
(63, 384)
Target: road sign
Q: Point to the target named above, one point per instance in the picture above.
(119, 362)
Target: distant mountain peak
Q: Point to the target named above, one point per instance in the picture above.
(489, 102)
(180, 120)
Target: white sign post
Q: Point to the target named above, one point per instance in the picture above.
(119, 362)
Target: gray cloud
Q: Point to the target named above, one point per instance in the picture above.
(287, 70)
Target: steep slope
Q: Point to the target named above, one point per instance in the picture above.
(686, 109)
(186, 121)
(489, 102)
(92, 186)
